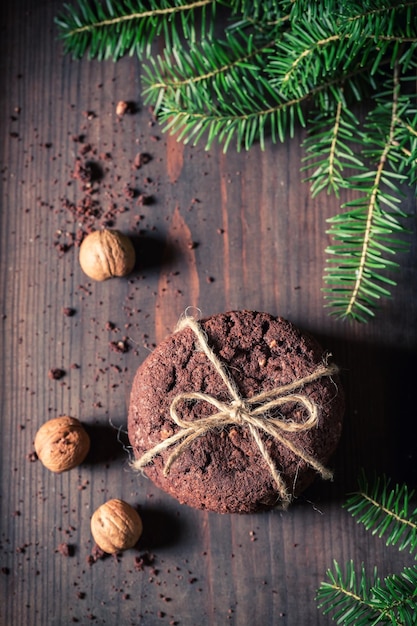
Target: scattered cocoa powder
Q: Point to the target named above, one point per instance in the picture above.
(89, 170)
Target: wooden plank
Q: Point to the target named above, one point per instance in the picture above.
(218, 232)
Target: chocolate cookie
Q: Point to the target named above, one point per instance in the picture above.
(235, 413)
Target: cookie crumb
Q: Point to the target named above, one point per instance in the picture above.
(65, 549)
(56, 373)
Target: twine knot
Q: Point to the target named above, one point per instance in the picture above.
(253, 413)
(238, 412)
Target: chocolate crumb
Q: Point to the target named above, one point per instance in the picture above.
(130, 192)
(120, 346)
(96, 555)
(144, 560)
(65, 549)
(90, 115)
(141, 159)
(82, 172)
(55, 373)
(144, 199)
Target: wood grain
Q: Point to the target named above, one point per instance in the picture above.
(216, 231)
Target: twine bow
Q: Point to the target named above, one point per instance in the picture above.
(252, 413)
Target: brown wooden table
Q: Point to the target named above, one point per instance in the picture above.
(214, 231)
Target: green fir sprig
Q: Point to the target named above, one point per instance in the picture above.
(240, 72)
(113, 29)
(354, 596)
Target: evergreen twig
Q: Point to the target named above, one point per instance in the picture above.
(348, 595)
(365, 234)
(385, 511)
(357, 598)
(115, 28)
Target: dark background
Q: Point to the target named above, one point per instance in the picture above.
(212, 230)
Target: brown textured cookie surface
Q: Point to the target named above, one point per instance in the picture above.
(224, 470)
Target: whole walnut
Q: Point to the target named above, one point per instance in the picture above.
(107, 253)
(116, 526)
(62, 443)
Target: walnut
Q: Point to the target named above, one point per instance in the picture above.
(62, 443)
(116, 526)
(107, 253)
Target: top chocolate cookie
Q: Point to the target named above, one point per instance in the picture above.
(235, 413)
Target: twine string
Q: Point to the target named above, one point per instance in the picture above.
(253, 413)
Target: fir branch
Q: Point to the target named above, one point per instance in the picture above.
(304, 57)
(123, 27)
(396, 598)
(260, 10)
(375, 10)
(248, 112)
(385, 512)
(210, 65)
(259, 16)
(328, 148)
(254, 112)
(332, 45)
(365, 233)
(348, 595)
(407, 142)
(360, 598)
(329, 56)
